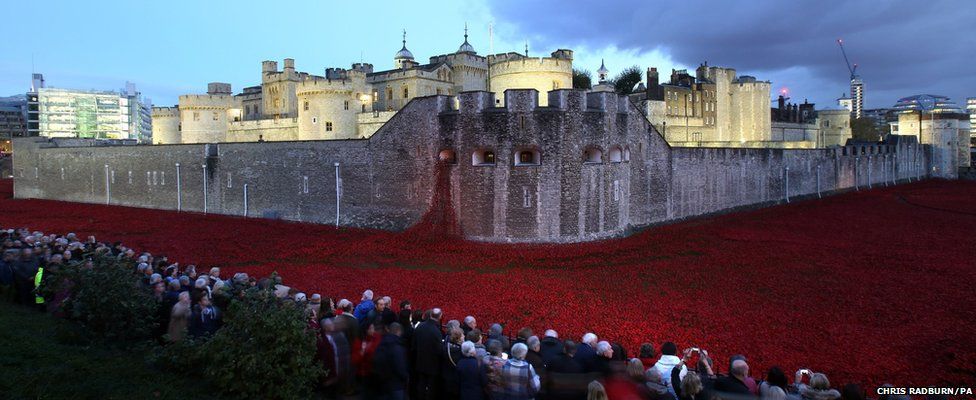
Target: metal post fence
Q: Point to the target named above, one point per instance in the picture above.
(818, 182)
(108, 193)
(179, 190)
(787, 184)
(245, 199)
(337, 193)
(204, 188)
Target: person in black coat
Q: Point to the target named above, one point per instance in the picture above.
(564, 378)
(734, 383)
(450, 355)
(427, 339)
(472, 375)
(205, 320)
(390, 364)
(550, 346)
(586, 351)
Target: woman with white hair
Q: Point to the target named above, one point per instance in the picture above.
(519, 380)
(818, 389)
(472, 375)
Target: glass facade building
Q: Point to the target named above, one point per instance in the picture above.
(81, 114)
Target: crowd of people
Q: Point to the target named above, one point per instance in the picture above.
(371, 351)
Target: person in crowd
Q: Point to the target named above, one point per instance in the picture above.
(668, 361)
(775, 385)
(564, 377)
(586, 351)
(472, 378)
(656, 389)
(600, 365)
(328, 355)
(646, 355)
(534, 356)
(388, 316)
(427, 340)
(24, 270)
(495, 332)
(450, 353)
(314, 305)
(474, 336)
(691, 388)
(818, 389)
(750, 383)
(346, 322)
(206, 318)
(853, 391)
(550, 346)
(391, 373)
(523, 335)
(365, 305)
(367, 351)
(494, 363)
(179, 317)
(595, 391)
(469, 324)
(734, 383)
(405, 316)
(519, 380)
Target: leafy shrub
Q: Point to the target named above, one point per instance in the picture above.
(263, 350)
(108, 299)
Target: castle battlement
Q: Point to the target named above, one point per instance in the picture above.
(355, 81)
(206, 101)
(533, 64)
(527, 100)
(163, 112)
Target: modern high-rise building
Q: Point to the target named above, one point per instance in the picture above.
(971, 107)
(89, 114)
(857, 97)
(140, 114)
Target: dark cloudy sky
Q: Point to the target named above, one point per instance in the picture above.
(175, 47)
(902, 47)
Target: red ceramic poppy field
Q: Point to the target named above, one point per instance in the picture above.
(869, 287)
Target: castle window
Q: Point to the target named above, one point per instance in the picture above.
(616, 155)
(439, 91)
(196, 115)
(406, 92)
(592, 155)
(364, 108)
(626, 153)
(315, 120)
(345, 105)
(447, 156)
(306, 106)
(528, 157)
(555, 85)
(483, 157)
(376, 96)
(328, 126)
(247, 110)
(215, 116)
(389, 93)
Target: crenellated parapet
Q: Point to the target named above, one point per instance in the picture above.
(206, 102)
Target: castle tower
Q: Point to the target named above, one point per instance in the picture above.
(278, 90)
(204, 117)
(403, 58)
(166, 125)
(516, 71)
(329, 108)
(603, 85)
(466, 47)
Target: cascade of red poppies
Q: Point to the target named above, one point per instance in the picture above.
(440, 221)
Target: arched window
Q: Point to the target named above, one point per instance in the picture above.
(483, 157)
(406, 92)
(592, 155)
(525, 157)
(616, 155)
(447, 156)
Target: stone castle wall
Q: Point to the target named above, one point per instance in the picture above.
(595, 169)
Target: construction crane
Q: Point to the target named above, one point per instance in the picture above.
(857, 86)
(840, 42)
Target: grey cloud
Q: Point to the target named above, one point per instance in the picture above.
(902, 47)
